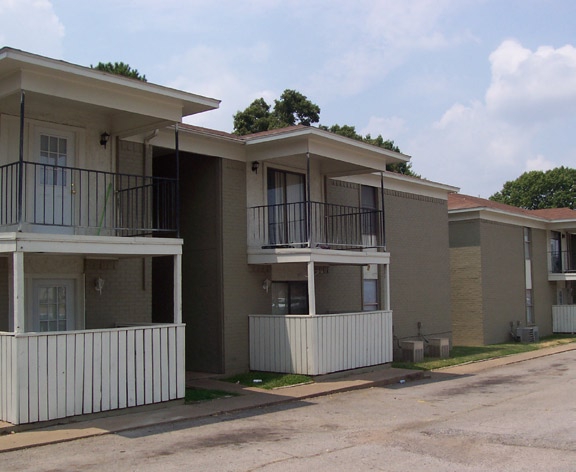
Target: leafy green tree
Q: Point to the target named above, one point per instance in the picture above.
(292, 108)
(119, 68)
(535, 190)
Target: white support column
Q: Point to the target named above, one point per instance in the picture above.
(387, 282)
(311, 289)
(178, 288)
(18, 291)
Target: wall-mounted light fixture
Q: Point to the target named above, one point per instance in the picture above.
(255, 165)
(104, 139)
(266, 285)
(99, 284)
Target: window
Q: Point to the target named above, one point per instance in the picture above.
(289, 298)
(369, 215)
(53, 152)
(370, 295)
(555, 254)
(286, 208)
(53, 305)
(527, 243)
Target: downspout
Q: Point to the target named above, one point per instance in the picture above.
(21, 160)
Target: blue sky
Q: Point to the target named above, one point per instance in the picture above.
(476, 91)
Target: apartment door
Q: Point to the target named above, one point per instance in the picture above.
(286, 208)
(53, 305)
(53, 187)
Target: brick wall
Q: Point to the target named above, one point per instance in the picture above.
(339, 290)
(242, 284)
(127, 293)
(417, 239)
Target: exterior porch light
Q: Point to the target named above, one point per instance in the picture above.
(99, 285)
(255, 165)
(104, 139)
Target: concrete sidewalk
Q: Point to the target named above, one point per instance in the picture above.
(250, 398)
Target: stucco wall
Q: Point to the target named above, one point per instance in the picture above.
(417, 239)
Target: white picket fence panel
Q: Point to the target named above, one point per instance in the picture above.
(564, 318)
(46, 376)
(315, 345)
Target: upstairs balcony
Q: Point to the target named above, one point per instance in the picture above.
(315, 225)
(67, 200)
(562, 265)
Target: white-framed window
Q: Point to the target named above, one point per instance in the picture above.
(53, 305)
(53, 151)
(370, 295)
(289, 298)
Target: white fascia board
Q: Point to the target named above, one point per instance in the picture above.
(187, 103)
(286, 256)
(205, 143)
(331, 145)
(89, 245)
(498, 216)
(402, 183)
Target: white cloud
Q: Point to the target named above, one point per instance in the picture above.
(539, 163)
(31, 25)
(479, 146)
(532, 86)
(391, 126)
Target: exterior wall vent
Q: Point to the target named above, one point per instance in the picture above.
(412, 351)
(528, 334)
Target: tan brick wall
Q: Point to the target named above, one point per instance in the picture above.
(4, 294)
(339, 290)
(127, 293)
(417, 239)
(467, 305)
(503, 279)
(131, 159)
(242, 284)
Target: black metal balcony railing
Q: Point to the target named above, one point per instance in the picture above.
(315, 225)
(93, 202)
(563, 261)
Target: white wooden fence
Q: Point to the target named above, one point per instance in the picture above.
(564, 318)
(45, 376)
(320, 344)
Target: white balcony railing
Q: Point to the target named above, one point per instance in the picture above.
(320, 344)
(46, 376)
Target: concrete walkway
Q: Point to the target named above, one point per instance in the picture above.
(250, 397)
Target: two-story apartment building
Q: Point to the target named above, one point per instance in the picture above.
(79, 206)
(513, 271)
(303, 254)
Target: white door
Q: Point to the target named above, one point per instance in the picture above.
(53, 187)
(53, 305)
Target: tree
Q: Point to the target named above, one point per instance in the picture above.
(534, 190)
(120, 68)
(292, 108)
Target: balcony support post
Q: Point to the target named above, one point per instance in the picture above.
(311, 289)
(383, 244)
(18, 291)
(308, 201)
(177, 146)
(178, 288)
(21, 160)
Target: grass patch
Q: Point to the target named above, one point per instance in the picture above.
(465, 354)
(194, 395)
(269, 380)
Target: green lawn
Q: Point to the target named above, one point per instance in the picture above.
(268, 380)
(465, 354)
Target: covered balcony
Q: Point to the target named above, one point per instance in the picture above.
(563, 262)
(38, 197)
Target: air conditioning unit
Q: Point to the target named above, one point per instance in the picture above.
(412, 351)
(528, 334)
(439, 347)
